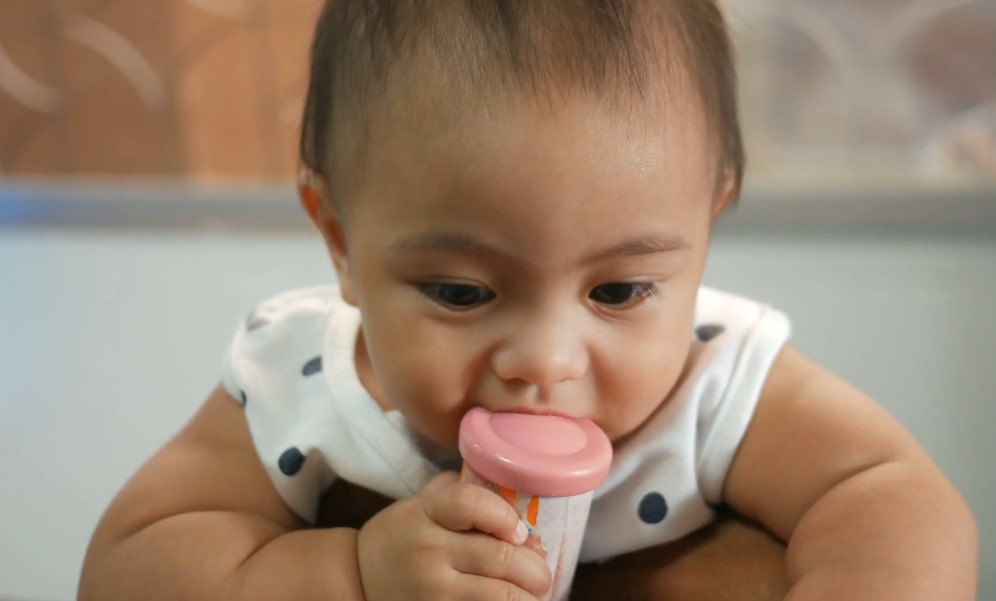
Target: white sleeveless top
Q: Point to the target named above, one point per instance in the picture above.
(291, 365)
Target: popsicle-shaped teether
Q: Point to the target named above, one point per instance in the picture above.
(547, 467)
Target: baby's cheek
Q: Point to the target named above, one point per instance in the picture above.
(427, 395)
(644, 385)
(424, 379)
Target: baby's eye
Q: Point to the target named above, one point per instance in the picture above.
(457, 296)
(619, 294)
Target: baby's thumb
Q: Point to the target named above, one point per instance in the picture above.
(442, 480)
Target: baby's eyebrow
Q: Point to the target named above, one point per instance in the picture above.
(443, 241)
(640, 245)
(453, 242)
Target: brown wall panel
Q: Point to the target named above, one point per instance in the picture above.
(114, 68)
(219, 91)
(194, 88)
(30, 97)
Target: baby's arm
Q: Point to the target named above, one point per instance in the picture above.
(202, 520)
(731, 560)
(865, 512)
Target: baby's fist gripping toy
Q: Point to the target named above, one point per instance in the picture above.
(546, 466)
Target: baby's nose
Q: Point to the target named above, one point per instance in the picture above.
(542, 354)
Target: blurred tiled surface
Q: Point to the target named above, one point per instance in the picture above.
(197, 88)
(213, 88)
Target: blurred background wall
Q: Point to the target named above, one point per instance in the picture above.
(213, 88)
(202, 88)
(147, 153)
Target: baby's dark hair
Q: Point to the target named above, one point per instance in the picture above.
(363, 49)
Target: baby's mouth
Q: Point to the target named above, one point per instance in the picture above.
(538, 411)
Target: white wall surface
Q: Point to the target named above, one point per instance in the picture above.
(110, 339)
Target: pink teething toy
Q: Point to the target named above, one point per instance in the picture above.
(547, 467)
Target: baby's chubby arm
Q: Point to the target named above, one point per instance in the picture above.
(865, 512)
(201, 520)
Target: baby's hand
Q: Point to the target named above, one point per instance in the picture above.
(452, 541)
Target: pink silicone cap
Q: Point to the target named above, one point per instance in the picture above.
(545, 455)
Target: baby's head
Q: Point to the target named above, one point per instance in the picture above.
(429, 64)
(518, 196)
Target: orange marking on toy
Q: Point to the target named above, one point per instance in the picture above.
(533, 511)
(508, 493)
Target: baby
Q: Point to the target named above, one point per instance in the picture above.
(517, 197)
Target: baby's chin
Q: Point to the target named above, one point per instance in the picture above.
(438, 446)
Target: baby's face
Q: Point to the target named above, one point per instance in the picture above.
(532, 262)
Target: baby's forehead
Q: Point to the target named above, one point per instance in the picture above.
(469, 117)
(426, 105)
(444, 120)
(525, 148)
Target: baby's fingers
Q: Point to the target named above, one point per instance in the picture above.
(484, 555)
(461, 507)
(481, 588)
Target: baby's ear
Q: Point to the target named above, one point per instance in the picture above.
(726, 191)
(315, 196)
(312, 191)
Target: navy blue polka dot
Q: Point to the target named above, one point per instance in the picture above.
(242, 394)
(653, 508)
(290, 461)
(312, 367)
(708, 332)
